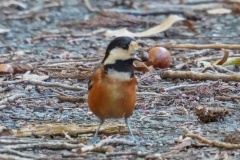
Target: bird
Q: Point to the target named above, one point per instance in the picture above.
(112, 87)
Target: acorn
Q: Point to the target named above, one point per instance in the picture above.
(159, 57)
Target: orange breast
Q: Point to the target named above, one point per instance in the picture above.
(111, 98)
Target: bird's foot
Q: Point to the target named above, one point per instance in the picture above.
(93, 141)
(134, 139)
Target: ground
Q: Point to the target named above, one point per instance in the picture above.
(63, 41)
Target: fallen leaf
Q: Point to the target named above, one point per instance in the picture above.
(4, 30)
(4, 131)
(223, 59)
(219, 11)
(232, 61)
(140, 66)
(157, 29)
(22, 68)
(182, 145)
(190, 26)
(6, 68)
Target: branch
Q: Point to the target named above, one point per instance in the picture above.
(209, 142)
(200, 46)
(45, 145)
(105, 142)
(12, 157)
(200, 76)
(11, 151)
(46, 84)
(72, 129)
(184, 86)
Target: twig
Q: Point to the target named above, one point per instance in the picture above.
(184, 86)
(156, 9)
(105, 142)
(154, 94)
(11, 2)
(46, 84)
(67, 136)
(11, 98)
(223, 98)
(11, 151)
(62, 64)
(73, 129)
(89, 6)
(200, 76)
(199, 53)
(210, 142)
(237, 97)
(17, 141)
(200, 46)
(12, 157)
(45, 145)
(71, 99)
(140, 154)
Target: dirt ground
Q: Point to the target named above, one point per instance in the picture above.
(63, 41)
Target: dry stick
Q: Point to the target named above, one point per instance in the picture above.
(67, 136)
(184, 86)
(154, 94)
(45, 145)
(46, 84)
(18, 141)
(200, 76)
(209, 142)
(105, 142)
(9, 3)
(62, 64)
(156, 10)
(12, 157)
(199, 53)
(11, 151)
(140, 154)
(11, 98)
(200, 46)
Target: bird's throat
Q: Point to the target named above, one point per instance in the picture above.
(121, 69)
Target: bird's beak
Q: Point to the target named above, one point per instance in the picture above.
(140, 55)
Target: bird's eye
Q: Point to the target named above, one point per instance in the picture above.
(125, 46)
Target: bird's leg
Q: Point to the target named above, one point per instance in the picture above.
(94, 140)
(129, 128)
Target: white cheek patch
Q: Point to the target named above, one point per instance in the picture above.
(117, 54)
(122, 76)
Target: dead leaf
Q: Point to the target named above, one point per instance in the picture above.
(232, 61)
(6, 68)
(182, 145)
(219, 11)
(157, 29)
(190, 26)
(5, 132)
(22, 68)
(140, 66)
(32, 77)
(4, 30)
(223, 59)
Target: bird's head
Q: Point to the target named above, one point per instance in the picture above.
(123, 49)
